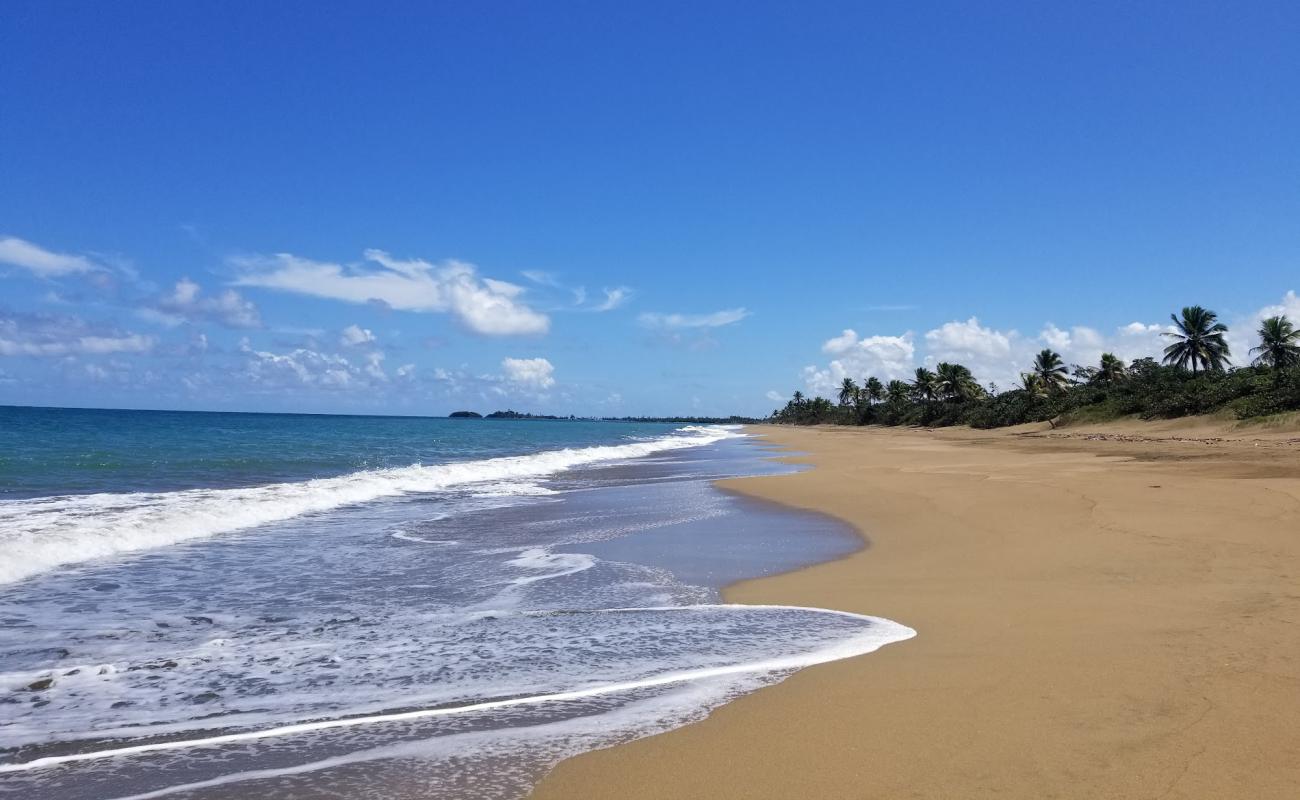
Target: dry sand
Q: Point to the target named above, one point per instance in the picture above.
(1101, 613)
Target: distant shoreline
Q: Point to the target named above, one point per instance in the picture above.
(516, 415)
(731, 420)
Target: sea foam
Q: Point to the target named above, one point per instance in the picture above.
(41, 534)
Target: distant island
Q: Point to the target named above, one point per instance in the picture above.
(465, 415)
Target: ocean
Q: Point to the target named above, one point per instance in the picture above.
(211, 605)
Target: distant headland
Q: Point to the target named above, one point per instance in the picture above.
(511, 414)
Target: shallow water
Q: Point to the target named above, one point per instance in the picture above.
(454, 641)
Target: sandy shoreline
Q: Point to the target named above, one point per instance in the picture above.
(1100, 613)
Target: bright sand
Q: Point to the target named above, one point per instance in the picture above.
(1097, 618)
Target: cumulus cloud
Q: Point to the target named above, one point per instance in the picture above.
(532, 373)
(41, 262)
(483, 305)
(356, 336)
(967, 341)
(1242, 333)
(186, 302)
(993, 355)
(46, 335)
(304, 367)
(716, 319)
(885, 357)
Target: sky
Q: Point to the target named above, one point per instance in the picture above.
(625, 208)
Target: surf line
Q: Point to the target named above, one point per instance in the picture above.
(885, 632)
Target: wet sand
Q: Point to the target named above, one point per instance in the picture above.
(1101, 612)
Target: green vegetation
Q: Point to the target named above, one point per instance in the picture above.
(1278, 346)
(1199, 341)
(1195, 378)
(512, 414)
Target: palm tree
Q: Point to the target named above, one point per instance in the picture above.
(1032, 383)
(848, 392)
(1279, 344)
(956, 382)
(874, 389)
(897, 391)
(1112, 370)
(925, 385)
(819, 408)
(1051, 370)
(797, 400)
(1199, 341)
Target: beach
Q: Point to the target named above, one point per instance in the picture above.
(1100, 612)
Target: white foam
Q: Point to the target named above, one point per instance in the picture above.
(42, 534)
(557, 564)
(878, 633)
(407, 537)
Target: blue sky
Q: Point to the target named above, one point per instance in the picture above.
(624, 208)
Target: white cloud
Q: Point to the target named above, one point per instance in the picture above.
(1242, 334)
(884, 357)
(482, 305)
(967, 341)
(374, 366)
(534, 373)
(43, 335)
(613, 298)
(993, 355)
(775, 396)
(41, 262)
(303, 367)
(715, 319)
(542, 278)
(355, 336)
(186, 302)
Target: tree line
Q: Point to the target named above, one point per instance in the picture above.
(1195, 376)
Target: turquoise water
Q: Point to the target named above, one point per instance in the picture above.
(46, 451)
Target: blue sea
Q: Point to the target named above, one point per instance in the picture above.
(210, 605)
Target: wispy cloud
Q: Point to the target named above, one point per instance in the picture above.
(45, 335)
(542, 278)
(483, 305)
(41, 262)
(893, 307)
(716, 319)
(613, 298)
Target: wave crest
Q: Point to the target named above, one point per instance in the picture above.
(45, 533)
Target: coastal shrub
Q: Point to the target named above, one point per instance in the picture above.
(1197, 377)
(1145, 389)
